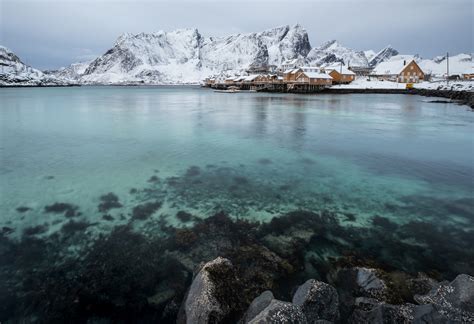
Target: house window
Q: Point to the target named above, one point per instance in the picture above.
(411, 67)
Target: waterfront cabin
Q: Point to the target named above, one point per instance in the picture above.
(229, 81)
(399, 71)
(290, 75)
(313, 78)
(340, 74)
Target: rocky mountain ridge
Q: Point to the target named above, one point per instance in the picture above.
(184, 56)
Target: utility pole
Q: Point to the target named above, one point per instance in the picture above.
(447, 67)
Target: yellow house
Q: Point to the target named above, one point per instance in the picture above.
(340, 74)
(314, 78)
(399, 71)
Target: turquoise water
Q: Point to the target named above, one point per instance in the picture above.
(258, 154)
(385, 178)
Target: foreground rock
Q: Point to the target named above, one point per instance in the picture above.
(213, 295)
(454, 301)
(258, 305)
(279, 312)
(318, 301)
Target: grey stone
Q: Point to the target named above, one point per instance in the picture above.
(212, 295)
(279, 312)
(318, 301)
(370, 310)
(454, 300)
(258, 305)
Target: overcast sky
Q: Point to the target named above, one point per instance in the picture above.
(54, 33)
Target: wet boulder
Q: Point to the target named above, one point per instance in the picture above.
(363, 282)
(370, 310)
(358, 282)
(258, 305)
(279, 312)
(455, 300)
(213, 296)
(318, 301)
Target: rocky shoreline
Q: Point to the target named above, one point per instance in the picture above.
(363, 295)
(221, 270)
(461, 97)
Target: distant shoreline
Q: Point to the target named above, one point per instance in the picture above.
(458, 96)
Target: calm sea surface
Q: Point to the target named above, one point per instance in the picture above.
(371, 160)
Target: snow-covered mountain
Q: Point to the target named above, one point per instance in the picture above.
(333, 51)
(384, 55)
(13, 72)
(184, 56)
(458, 64)
(72, 72)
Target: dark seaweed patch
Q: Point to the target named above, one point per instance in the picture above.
(7, 230)
(239, 180)
(265, 161)
(109, 201)
(107, 217)
(133, 191)
(49, 177)
(350, 217)
(384, 223)
(69, 210)
(184, 216)
(154, 179)
(144, 211)
(34, 230)
(72, 227)
(193, 171)
(23, 209)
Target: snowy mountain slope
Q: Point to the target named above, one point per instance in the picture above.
(369, 54)
(458, 64)
(72, 72)
(184, 56)
(13, 72)
(384, 55)
(332, 51)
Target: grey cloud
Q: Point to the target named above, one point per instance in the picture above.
(51, 33)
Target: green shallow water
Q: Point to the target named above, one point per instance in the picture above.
(252, 155)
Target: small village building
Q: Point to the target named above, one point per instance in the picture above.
(290, 75)
(229, 80)
(314, 78)
(340, 74)
(250, 79)
(291, 64)
(399, 71)
(468, 74)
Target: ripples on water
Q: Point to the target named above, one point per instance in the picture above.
(104, 177)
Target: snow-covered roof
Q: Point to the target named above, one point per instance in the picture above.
(310, 68)
(250, 77)
(345, 70)
(316, 75)
(291, 71)
(390, 67)
(230, 79)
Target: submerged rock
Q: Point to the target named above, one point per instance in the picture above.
(318, 301)
(258, 305)
(108, 201)
(279, 312)
(214, 294)
(69, 210)
(144, 211)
